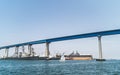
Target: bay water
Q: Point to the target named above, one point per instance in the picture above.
(55, 67)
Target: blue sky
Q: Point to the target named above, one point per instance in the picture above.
(27, 20)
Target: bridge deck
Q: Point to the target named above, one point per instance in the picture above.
(79, 36)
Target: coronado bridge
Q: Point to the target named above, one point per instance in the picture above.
(64, 38)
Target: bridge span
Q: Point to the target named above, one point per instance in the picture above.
(64, 38)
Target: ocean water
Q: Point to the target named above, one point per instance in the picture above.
(55, 67)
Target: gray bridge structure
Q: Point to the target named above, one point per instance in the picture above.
(64, 38)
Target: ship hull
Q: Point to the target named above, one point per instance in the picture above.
(25, 58)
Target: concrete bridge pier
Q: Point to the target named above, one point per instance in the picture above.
(23, 49)
(47, 52)
(6, 52)
(100, 49)
(16, 51)
(29, 50)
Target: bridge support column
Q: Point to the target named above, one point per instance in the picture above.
(100, 49)
(16, 51)
(6, 52)
(29, 50)
(23, 49)
(47, 52)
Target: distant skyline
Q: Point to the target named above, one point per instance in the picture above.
(30, 20)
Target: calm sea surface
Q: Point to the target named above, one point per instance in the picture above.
(54, 67)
